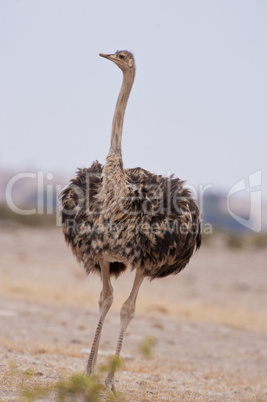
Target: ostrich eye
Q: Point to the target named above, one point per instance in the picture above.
(121, 56)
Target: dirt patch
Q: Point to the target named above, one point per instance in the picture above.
(210, 322)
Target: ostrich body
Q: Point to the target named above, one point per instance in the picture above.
(115, 218)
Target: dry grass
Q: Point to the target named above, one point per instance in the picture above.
(155, 380)
(214, 314)
(226, 314)
(145, 381)
(39, 348)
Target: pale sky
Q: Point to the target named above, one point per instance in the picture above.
(199, 102)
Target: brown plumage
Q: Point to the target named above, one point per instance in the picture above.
(154, 225)
(114, 218)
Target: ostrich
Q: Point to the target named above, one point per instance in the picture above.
(115, 218)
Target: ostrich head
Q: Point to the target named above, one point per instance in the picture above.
(123, 59)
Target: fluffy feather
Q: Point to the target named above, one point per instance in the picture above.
(132, 217)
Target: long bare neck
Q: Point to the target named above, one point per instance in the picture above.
(117, 124)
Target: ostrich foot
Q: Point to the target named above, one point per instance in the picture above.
(109, 383)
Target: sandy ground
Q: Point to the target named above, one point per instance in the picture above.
(210, 322)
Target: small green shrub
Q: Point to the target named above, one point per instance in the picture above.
(147, 345)
(235, 241)
(76, 387)
(259, 240)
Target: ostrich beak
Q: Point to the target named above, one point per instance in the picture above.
(107, 56)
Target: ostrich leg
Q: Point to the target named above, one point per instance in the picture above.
(105, 301)
(126, 315)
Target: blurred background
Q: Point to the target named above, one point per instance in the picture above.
(197, 109)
